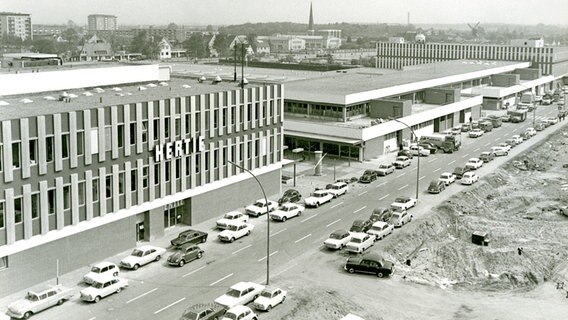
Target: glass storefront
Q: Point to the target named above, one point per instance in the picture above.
(173, 214)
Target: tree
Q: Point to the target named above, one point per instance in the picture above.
(44, 46)
(251, 39)
(144, 45)
(221, 44)
(172, 26)
(196, 46)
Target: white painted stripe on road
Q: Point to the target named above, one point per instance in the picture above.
(402, 187)
(422, 177)
(290, 267)
(400, 175)
(142, 295)
(497, 139)
(264, 258)
(465, 155)
(337, 205)
(303, 238)
(380, 185)
(488, 143)
(515, 129)
(362, 193)
(437, 170)
(308, 218)
(169, 305)
(383, 197)
(433, 159)
(225, 277)
(93, 318)
(243, 248)
(451, 162)
(359, 209)
(334, 222)
(192, 272)
(476, 150)
(278, 232)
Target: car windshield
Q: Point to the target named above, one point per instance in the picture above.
(232, 228)
(376, 228)
(445, 176)
(233, 293)
(336, 236)
(32, 297)
(356, 240)
(317, 195)
(356, 229)
(433, 184)
(285, 209)
(230, 316)
(259, 204)
(97, 285)
(383, 166)
(335, 187)
(137, 253)
(96, 270)
(400, 200)
(190, 315)
(266, 294)
(230, 217)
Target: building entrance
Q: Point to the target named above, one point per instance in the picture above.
(173, 214)
(140, 231)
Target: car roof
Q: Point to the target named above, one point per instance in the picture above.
(358, 235)
(372, 256)
(290, 191)
(340, 232)
(198, 307)
(405, 198)
(435, 182)
(103, 264)
(289, 204)
(469, 173)
(340, 183)
(146, 247)
(446, 173)
(379, 224)
(238, 309)
(321, 191)
(233, 213)
(473, 159)
(271, 289)
(242, 285)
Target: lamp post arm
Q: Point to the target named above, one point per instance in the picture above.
(418, 164)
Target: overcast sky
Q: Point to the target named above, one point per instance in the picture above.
(225, 12)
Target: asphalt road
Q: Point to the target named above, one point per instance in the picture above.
(158, 291)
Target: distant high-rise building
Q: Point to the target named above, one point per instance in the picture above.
(100, 22)
(16, 25)
(311, 22)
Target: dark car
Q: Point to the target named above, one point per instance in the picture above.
(539, 126)
(290, 195)
(405, 152)
(361, 226)
(381, 214)
(486, 156)
(204, 311)
(368, 176)
(436, 186)
(189, 236)
(459, 171)
(428, 146)
(185, 254)
(370, 263)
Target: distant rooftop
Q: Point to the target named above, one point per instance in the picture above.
(13, 14)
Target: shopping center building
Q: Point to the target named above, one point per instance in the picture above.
(96, 160)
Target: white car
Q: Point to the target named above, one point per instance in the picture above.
(505, 146)
(141, 256)
(400, 218)
(101, 271)
(551, 120)
(337, 189)
(351, 317)
(499, 151)
(338, 239)
(287, 211)
(240, 313)
(99, 290)
(531, 132)
(381, 229)
(240, 294)
(385, 169)
(403, 203)
(231, 218)
(418, 150)
(259, 207)
(518, 139)
(447, 178)
(37, 301)
(474, 163)
(236, 231)
(469, 178)
(318, 198)
(360, 242)
(475, 133)
(269, 298)
(401, 162)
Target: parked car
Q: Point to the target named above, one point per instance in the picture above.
(189, 236)
(465, 127)
(505, 118)
(474, 163)
(381, 214)
(459, 171)
(517, 138)
(204, 311)
(487, 156)
(337, 189)
(403, 203)
(401, 162)
(539, 127)
(99, 290)
(531, 131)
(370, 263)
(360, 226)
(260, 207)
(236, 231)
(551, 120)
(419, 151)
(337, 239)
(447, 178)
(526, 136)
(287, 211)
(185, 254)
(436, 186)
(100, 271)
(475, 133)
(290, 195)
(142, 256)
(240, 313)
(381, 229)
(456, 130)
(37, 301)
(404, 153)
(318, 198)
(360, 242)
(400, 218)
(469, 178)
(240, 294)
(368, 176)
(506, 145)
(511, 143)
(231, 218)
(385, 169)
(270, 298)
(499, 151)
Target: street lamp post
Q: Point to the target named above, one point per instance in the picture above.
(418, 164)
(267, 220)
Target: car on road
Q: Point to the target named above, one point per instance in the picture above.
(100, 271)
(142, 256)
(403, 203)
(185, 254)
(400, 218)
(546, 101)
(99, 290)
(337, 189)
(475, 133)
(204, 311)
(459, 171)
(287, 211)
(436, 186)
(240, 294)
(465, 127)
(385, 169)
(231, 218)
(469, 178)
(474, 163)
(539, 127)
(531, 131)
(551, 120)
(360, 242)
(447, 178)
(290, 195)
(189, 236)
(510, 142)
(360, 226)
(269, 298)
(505, 118)
(381, 214)
(518, 139)
(499, 151)
(369, 263)
(456, 130)
(368, 176)
(404, 152)
(337, 239)
(236, 231)
(506, 145)
(487, 156)
(429, 146)
(401, 162)
(260, 207)
(39, 300)
(318, 198)
(381, 229)
(240, 313)
(419, 151)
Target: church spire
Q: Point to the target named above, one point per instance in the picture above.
(311, 23)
